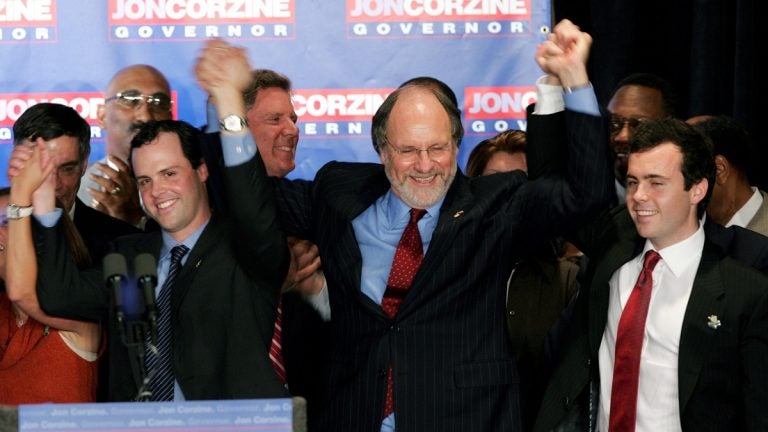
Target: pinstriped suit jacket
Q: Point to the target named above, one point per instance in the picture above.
(452, 362)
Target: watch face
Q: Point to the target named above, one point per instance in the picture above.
(233, 123)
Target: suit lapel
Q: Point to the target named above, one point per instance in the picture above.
(695, 335)
(350, 204)
(455, 211)
(211, 236)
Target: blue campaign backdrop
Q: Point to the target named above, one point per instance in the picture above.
(342, 56)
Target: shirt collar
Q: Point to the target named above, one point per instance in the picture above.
(169, 242)
(397, 210)
(680, 255)
(748, 210)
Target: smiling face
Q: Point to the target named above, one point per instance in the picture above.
(272, 121)
(418, 121)
(172, 191)
(663, 211)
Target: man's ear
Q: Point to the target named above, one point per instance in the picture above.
(722, 169)
(101, 113)
(202, 172)
(698, 191)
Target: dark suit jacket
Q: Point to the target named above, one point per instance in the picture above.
(98, 229)
(305, 337)
(453, 365)
(223, 302)
(743, 245)
(723, 381)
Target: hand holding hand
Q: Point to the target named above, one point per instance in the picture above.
(304, 273)
(223, 70)
(118, 196)
(34, 180)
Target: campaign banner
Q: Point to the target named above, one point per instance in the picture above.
(343, 57)
(24, 21)
(263, 415)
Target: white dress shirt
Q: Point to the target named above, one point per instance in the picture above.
(748, 211)
(658, 407)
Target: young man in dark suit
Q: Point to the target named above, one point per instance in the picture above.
(222, 300)
(442, 356)
(697, 361)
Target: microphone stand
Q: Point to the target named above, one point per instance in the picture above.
(145, 266)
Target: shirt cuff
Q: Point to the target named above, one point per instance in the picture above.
(582, 100)
(212, 115)
(237, 149)
(549, 98)
(49, 219)
(320, 302)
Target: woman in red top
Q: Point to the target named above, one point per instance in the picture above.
(42, 358)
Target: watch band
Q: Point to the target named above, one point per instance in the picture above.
(14, 211)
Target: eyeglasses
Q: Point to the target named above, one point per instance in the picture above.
(132, 99)
(411, 154)
(617, 123)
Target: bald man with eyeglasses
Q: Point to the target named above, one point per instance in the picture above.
(135, 95)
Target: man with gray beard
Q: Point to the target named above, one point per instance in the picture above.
(417, 256)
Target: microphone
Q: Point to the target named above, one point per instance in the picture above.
(115, 270)
(146, 270)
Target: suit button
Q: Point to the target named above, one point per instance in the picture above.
(382, 373)
(567, 401)
(512, 313)
(589, 363)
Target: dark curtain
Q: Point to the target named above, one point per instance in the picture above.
(708, 49)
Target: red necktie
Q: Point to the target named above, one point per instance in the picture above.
(276, 347)
(408, 257)
(629, 344)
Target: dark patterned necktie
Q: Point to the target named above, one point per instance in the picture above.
(629, 345)
(158, 361)
(408, 257)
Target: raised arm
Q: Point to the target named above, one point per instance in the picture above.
(577, 181)
(224, 72)
(36, 178)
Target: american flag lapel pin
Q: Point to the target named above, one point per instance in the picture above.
(458, 214)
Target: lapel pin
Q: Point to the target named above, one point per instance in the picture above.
(197, 264)
(713, 322)
(458, 214)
